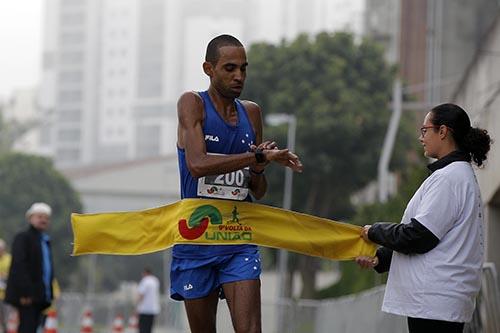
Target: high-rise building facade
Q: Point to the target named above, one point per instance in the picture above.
(113, 69)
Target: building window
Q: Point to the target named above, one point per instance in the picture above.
(69, 135)
(148, 140)
(70, 77)
(69, 115)
(70, 96)
(69, 4)
(72, 19)
(72, 38)
(150, 111)
(68, 155)
(71, 58)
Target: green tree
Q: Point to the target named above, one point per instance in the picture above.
(339, 90)
(25, 179)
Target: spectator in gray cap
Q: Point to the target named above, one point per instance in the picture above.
(29, 285)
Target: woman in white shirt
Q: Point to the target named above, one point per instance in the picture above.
(435, 255)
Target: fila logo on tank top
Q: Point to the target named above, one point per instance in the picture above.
(222, 138)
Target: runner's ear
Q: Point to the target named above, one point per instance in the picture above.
(208, 68)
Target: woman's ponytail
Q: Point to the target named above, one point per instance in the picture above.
(476, 142)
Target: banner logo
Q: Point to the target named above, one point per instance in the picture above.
(202, 216)
(198, 222)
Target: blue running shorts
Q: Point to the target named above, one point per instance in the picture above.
(197, 278)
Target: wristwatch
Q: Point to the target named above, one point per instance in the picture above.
(259, 155)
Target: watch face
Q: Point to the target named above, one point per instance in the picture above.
(259, 156)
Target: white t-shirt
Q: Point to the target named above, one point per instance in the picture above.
(149, 289)
(441, 284)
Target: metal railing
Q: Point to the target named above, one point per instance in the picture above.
(353, 313)
(486, 318)
(334, 315)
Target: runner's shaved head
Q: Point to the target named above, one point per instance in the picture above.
(212, 55)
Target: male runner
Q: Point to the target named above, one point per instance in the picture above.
(220, 143)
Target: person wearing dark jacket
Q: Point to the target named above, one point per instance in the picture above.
(435, 255)
(29, 285)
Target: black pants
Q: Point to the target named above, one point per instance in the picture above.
(419, 325)
(29, 318)
(3, 316)
(145, 323)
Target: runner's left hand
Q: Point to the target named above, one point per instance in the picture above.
(291, 161)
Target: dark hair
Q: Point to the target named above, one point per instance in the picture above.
(147, 270)
(474, 141)
(212, 55)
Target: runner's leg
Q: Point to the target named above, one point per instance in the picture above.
(201, 313)
(243, 300)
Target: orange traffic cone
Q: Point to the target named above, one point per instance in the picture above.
(117, 324)
(12, 322)
(51, 322)
(87, 322)
(133, 324)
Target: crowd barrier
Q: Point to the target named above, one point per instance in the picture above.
(350, 314)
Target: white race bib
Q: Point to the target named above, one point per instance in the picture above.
(233, 185)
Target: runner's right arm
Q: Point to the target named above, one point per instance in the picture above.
(191, 139)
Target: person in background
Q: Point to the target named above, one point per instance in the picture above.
(148, 305)
(5, 260)
(31, 274)
(435, 255)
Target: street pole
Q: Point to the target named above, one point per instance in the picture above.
(287, 204)
(390, 138)
(291, 121)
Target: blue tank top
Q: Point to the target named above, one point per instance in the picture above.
(220, 138)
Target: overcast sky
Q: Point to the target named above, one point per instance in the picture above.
(20, 40)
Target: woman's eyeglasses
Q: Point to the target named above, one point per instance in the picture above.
(424, 129)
